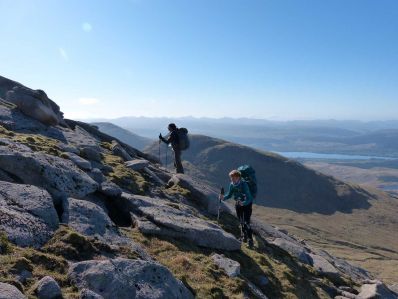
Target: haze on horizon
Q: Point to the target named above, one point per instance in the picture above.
(277, 60)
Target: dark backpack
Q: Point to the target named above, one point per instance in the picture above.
(183, 139)
(249, 176)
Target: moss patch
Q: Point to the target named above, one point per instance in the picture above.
(34, 141)
(39, 264)
(72, 246)
(76, 247)
(5, 246)
(6, 133)
(125, 177)
(177, 190)
(106, 145)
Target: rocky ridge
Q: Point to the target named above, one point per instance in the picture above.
(83, 215)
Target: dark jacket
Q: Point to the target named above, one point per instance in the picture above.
(173, 139)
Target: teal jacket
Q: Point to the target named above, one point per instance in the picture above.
(241, 192)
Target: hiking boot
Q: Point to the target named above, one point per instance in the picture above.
(250, 244)
(243, 239)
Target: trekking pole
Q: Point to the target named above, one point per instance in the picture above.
(167, 148)
(219, 203)
(159, 152)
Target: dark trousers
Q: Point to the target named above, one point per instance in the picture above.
(177, 161)
(244, 213)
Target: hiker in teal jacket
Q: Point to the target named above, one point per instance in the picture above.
(239, 191)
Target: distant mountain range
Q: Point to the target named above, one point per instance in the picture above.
(319, 136)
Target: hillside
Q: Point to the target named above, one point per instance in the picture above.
(355, 223)
(283, 183)
(384, 178)
(330, 137)
(84, 215)
(124, 135)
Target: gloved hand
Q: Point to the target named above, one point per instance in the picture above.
(160, 136)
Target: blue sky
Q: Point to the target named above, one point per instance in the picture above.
(280, 59)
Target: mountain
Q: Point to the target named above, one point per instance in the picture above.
(282, 183)
(352, 222)
(318, 136)
(124, 135)
(85, 215)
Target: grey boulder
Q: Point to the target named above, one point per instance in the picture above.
(27, 214)
(355, 273)
(35, 104)
(394, 288)
(90, 220)
(231, 267)
(97, 175)
(91, 153)
(79, 161)
(375, 290)
(323, 267)
(294, 249)
(8, 291)
(118, 150)
(68, 148)
(88, 294)
(110, 189)
(269, 232)
(80, 138)
(203, 194)
(137, 164)
(170, 221)
(125, 279)
(48, 288)
(58, 176)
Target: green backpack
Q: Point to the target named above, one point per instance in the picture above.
(248, 174)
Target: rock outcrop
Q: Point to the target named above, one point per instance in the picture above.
(169, 221)
(119, 151)
(231, 267)
(33, 103)
(137, 164)
(205, 195)
(89, 219)
(125, 279)
(27, 214)
(48, 288)
(375, 289)
(58, 176)
(8, 291)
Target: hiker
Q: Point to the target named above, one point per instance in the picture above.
(239, 190)
(174, 140)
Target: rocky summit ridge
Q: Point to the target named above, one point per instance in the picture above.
(84, 215)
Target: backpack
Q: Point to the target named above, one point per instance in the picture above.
(183, 139)
(249, 176)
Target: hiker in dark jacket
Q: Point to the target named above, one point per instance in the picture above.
(240, 192)
(174, 140)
